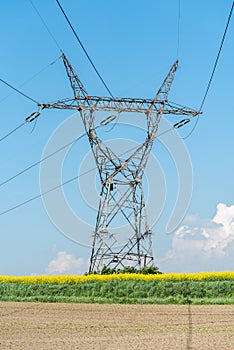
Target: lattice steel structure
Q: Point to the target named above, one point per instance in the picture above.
(121, 178)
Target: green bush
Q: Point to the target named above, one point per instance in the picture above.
(152, 270)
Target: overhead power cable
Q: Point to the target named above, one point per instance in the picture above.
(175, 126)
(83, 48)
(39, 162)
(38, 196)
(12, 131)
(217, 58)
(45, 158)
(64, 183)
(35, 114)
(32, 77)
(178, 30)
(46, 26)
(213, 71)
(19, 92)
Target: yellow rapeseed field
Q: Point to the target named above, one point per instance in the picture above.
(72, 279)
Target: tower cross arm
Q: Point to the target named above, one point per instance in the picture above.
(119, 105)
(83, 101)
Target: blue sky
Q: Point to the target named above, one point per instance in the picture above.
(133, 44)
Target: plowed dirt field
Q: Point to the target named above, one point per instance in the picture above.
(44, 326)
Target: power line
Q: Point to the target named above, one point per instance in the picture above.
(217, 58)
(43, 159)
(46, 26)
(83, 48)
(213, 71)
(29, 119)
(33, 76)
(59, 150)
(193, 128)
(19, 92)
(39, 161)
(178, 29)
(38, 196)
(12, 131)
(45, 193)
(64, 183)
(28, 97)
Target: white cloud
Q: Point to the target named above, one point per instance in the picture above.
(66, 263)
(196, 246)
(202, 246)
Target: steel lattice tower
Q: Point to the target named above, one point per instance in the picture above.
(121, 192)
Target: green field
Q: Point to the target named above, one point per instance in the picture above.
(128, 291)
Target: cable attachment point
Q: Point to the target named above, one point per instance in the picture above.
(32, 117)
(181, 123)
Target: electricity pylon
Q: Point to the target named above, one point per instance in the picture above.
(121, 196)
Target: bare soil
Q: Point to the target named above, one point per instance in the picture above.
(45, 326)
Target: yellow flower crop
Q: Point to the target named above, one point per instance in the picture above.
(70, 279)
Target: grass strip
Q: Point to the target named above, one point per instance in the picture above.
(123, 291)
